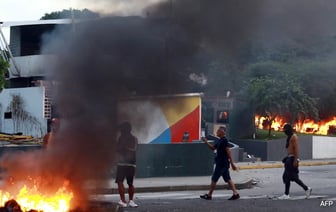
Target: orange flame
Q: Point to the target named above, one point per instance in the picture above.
(29, 198)
(276, 124)
(308, 126)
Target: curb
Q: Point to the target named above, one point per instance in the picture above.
(280, 165)
(244, 185)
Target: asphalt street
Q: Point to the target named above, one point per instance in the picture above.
(261, 197)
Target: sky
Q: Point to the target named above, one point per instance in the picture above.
(30, 10)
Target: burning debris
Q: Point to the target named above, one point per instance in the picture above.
(35, 195)
(323, 127)
(101, 61)
(12, 206)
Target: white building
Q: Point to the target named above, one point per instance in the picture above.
(25, 107)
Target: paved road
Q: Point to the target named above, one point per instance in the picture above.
(262, 197)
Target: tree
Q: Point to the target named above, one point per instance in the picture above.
(4, 65)
(282, 95)
(71, 13)
(323, 86)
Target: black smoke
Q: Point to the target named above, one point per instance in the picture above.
(99, 62)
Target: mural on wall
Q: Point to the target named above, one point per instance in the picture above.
(169, 119)
(23, 121)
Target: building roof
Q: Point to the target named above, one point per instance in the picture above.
(38, 22)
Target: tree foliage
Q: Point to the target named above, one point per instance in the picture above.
(71, 13)
(319, 80)
(291, 78)
(4, 65)
(273, 95)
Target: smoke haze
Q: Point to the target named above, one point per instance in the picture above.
(102, 61)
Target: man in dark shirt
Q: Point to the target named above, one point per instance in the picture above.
(223, 160)
(126, 149)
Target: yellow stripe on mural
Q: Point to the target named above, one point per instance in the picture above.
(179, 108)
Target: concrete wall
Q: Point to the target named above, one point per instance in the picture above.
(324, 147)
(274, 150)
(181, 159)
(32, 65)
(306, 147)
(254, 147)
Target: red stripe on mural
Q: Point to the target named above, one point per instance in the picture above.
(190, 123)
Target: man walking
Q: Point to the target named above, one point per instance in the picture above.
(126, 149)
(291, 161)
(223, 160)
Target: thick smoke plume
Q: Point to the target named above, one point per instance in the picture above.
(101, 62)
(228, 26)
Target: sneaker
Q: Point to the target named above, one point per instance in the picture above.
(132, 204)
(285, 196)
(308, 192)
(206, 196)
(234, 197)
(122, 204)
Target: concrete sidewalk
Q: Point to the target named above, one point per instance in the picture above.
(279, 164)
(242, 180)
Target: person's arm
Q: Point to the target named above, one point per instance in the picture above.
(119, 146)
(205, 140)
(134, 148)
(294, 140)
(228, 151)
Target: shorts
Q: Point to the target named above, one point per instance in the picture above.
(221, 171)
(127, 172)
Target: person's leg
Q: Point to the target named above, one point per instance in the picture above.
(287, 187)
(227, 178)
(232, 187)
(131, 192)
(307, 189)
(300, 183)
(120, 176)
(214, 179)
(212, 188)
(121, 190)
(208, 196)
(288, 174)
(130, 179)
(286, 194)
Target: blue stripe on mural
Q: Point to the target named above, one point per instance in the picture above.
(164, 138)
